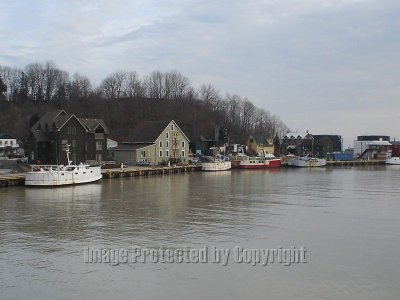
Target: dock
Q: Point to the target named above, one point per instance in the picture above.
(355, 163)
(12, 180)
(133, 172)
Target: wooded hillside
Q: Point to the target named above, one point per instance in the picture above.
(123, 99)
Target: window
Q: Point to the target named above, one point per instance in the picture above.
(183, 153)
(167, 135)
(6, 143)
(172, 127)
(142, 154)
(160, 153)
(1, 143)
(99, 145)
(98, 157)
(64, 144)
(160, 144)
(167, 144)
(11, 143)
(167, 153)
(183, 144)
(99, 135)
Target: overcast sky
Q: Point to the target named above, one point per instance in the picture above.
(327, 66)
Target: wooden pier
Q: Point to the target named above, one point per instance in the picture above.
(11, 180)
(355, 163)
(132, 172)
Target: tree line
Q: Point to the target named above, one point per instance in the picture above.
(125, 98)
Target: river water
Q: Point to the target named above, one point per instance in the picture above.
(346, 221)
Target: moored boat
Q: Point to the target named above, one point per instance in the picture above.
(256, 162)
(216, 163)
(56, 175)
(306, 161)
(393, 161)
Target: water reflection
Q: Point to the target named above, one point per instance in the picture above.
(63, 194)
(336, 213)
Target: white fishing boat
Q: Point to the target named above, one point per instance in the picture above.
(307, 162)
(216, 163)
(56, 175)
(393, 161)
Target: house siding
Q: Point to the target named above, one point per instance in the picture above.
(47, 144)
(75, 138)
(175, 139)
(132, 156)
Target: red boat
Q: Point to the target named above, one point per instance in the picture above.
(256, 162)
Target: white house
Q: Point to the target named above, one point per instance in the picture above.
(8, 144)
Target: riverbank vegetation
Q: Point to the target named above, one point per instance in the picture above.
(125, 98)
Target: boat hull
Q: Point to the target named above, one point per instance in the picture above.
(216, 166)
(61, 177)
(393, 161)
(249, 164)
(307, 163)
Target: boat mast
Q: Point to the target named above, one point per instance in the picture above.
(67, 153)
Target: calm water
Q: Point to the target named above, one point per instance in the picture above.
(347, 218)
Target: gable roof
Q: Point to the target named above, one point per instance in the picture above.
(56, 118)
(131, 146)
(50, 117)
(6, 136)
(296, 134)
(92, 124)
(150, 131)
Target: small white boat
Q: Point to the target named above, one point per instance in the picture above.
(56, 175)
(393, 161)
(307, 162)
(216, 163)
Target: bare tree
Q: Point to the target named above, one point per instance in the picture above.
(50, 78)
(209, 95)
(176, 86)
(35, 77)
(61, 84)
(154, 85)
(3, 89)
(248, 114)
(80, 87)
(133, 86)
(11, 78)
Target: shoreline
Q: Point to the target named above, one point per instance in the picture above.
(8, 180)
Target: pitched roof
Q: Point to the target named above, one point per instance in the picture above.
(51, 117)
(92, 124)
(59, 118)
(130, 146)
(6, 136)
(148, 131)
(296, 134)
